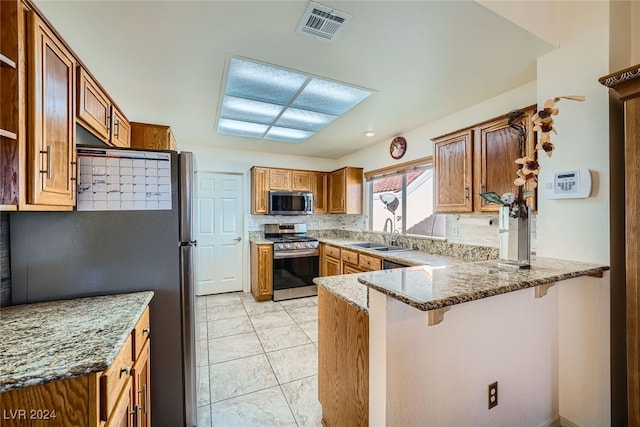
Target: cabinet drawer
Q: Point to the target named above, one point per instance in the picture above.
(332, 251)
(350, 257)
(140, 333)
(114, 379)
(370, 263)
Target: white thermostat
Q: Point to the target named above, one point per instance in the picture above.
(569, 185)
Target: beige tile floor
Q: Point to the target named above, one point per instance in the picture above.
(257, 363)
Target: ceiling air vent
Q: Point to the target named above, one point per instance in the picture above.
(322, 22)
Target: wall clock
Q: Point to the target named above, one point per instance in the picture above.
(398, 147)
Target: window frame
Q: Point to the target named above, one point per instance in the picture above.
(400, 169)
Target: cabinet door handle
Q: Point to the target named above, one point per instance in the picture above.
(117, 126)
(126, 370)
(130, 421)
(108, 124)
(466, 193)
(144, 397)
(146, 331)
(48, 154)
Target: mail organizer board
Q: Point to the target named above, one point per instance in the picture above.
(114, 180)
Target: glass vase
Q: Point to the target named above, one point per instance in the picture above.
(515, 237)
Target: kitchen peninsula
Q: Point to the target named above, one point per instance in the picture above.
(439, 333)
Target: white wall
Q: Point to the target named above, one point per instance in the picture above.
(635, 33)
(438, 375)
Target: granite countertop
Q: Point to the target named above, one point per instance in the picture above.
(348, 288)
(260, 241)
(437, 281)
(431, 287)
(48, 341)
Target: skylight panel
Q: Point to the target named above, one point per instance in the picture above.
(271, 102)
(262, 82)
(304, 119)
(249, 110)
(329, 97)
(239, 128)
(287, 135)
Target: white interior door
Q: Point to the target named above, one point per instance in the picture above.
(219, 231)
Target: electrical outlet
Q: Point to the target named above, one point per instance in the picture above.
(493, 394)
(454, 230)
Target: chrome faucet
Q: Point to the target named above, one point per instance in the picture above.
(390, 222)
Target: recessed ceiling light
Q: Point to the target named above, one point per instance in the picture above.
(270, 102)
(369, 133)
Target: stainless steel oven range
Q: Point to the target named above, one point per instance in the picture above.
(296, 261)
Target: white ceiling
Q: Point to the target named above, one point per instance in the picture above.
(164, 61)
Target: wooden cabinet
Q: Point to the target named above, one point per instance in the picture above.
(478, 159)
(343, 362)
(369, 263)
(98, 114)
(119, 396)
(152, 137)
(345, 191)
(10, 135)
(625, 210)
(259, 190)
(280, 179)
(261, 271)
(320, 191)
(336, 192)
(453, 162)
(51, 112)
(301, 180)
(330, 264)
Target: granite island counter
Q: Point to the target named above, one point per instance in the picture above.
(495, 329)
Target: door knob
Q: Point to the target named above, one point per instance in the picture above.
(237, 239)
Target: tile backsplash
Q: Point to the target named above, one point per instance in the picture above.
(314, 222)
(5, 267)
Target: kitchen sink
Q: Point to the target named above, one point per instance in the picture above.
(368, 245)
(390, 249)
(379, 247)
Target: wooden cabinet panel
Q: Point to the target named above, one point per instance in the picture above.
(121, 129)
(349, 256)
(330, 266)
(10, 117)
(345, 191)
(123, 413)
(142, 387)
(301, 180)
(152, 137)
(348, 269)
(453, 164)
(140, 333)
(319, 188)
(94, 107)
(68, 400)
(332, 251)
(51, 141)
(113, 379)
(368, 262)
(280, 179)
(259, 190)
(343, 362)
(261, 271)
(499, 147)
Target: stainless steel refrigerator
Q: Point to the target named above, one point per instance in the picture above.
(60, 255)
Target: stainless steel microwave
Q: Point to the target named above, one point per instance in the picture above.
(290, 202)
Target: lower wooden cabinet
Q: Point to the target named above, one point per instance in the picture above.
(343, 362)
(335, 261)
(329, 260)
(119, 396)
(261, 271)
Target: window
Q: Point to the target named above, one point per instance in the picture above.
(401, 199)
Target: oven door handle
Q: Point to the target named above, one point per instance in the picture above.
(296, 254)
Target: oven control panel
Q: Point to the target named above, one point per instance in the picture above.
(294, 245)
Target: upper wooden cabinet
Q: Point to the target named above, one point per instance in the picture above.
(479, 159)
(51, 112)
(10, 105)
(280, 179)
(98, 114)
(345, 191)
(320, 191)
(301, 180)
(152, 137)
(453, 162)
(259, 190)
(264, 179)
